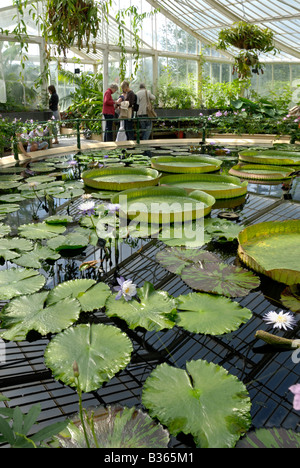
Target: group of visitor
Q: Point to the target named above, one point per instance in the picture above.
(125, 108)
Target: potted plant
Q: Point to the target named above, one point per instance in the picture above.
(251, 40)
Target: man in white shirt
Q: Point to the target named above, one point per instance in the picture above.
(145, 122)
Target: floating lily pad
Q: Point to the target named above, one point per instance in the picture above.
(210, 314)
(33, 259)
(186, 164)
(271, 249)
(8, 208)
(4, 230)
(11, 248)
(222, 229)
(270, 439)
(204, 401)
(261, 172)
(69, 241)
(41, 230)
(7, 185)
(190, 235)
(27, 313)
(70, 193)
(155, 310)
(163, 204)
(91, 295)
(17, 282)
(115, 427)
(272, 157)
(11, 198)
(100, 351)
(175, 259)
(290, 298)
(220, 278)
(120, 178)
(59, 219)
(219, 186)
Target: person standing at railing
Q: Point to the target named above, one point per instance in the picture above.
(121, 136)
(144, 100)
(53, 105)
(131, 99)
(108, 111)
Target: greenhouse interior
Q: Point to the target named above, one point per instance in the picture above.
(150, 226)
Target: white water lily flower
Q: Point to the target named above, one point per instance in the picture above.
(126, 289)
(280, 320)
(87, 208)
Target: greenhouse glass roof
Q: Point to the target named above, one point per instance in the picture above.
(202, 19)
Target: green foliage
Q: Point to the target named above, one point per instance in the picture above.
(15, 427)
(172, 96)
(219, 95)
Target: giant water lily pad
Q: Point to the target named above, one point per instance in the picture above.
(40, 230)
(164, 205)
(27, 313)
(17, 282)
(115, 427)
(120, 178)
(100, 351)
(271, 249)
(210, 314)
(219, 186)
(175, 259)
(220, 278)
(272, 157)
(204, 401)
(155, 310)
(261, 172)
(186, 164)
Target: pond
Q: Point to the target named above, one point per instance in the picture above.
(72, 266)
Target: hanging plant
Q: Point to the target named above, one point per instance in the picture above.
(251, 40)
(73, 22)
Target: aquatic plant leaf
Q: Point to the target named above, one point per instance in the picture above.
(40, 230)
(10, 248)
(27, 313)
(70, 193)
(59, 219)
(17, 282)
(100, 351)
(7, 185)
(72, 288)
(270, 438)
(271, 248)
(204, 401)
(189, 235)
(290, 298)
(115, 427)
(72, 240)
(4, 230)
(11, 198)
(210, 314)
(175, 259)
(94, 298)
(220, 278)
(222, 228)
(33, 259)
(9, 208)
(155, 310)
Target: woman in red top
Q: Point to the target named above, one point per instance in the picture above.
(108, 111)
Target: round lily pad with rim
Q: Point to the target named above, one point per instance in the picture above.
(186, 164)
(261, 172)
(271, 249)
(122, 178)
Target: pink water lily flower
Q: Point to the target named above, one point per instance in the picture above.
(295, 389)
